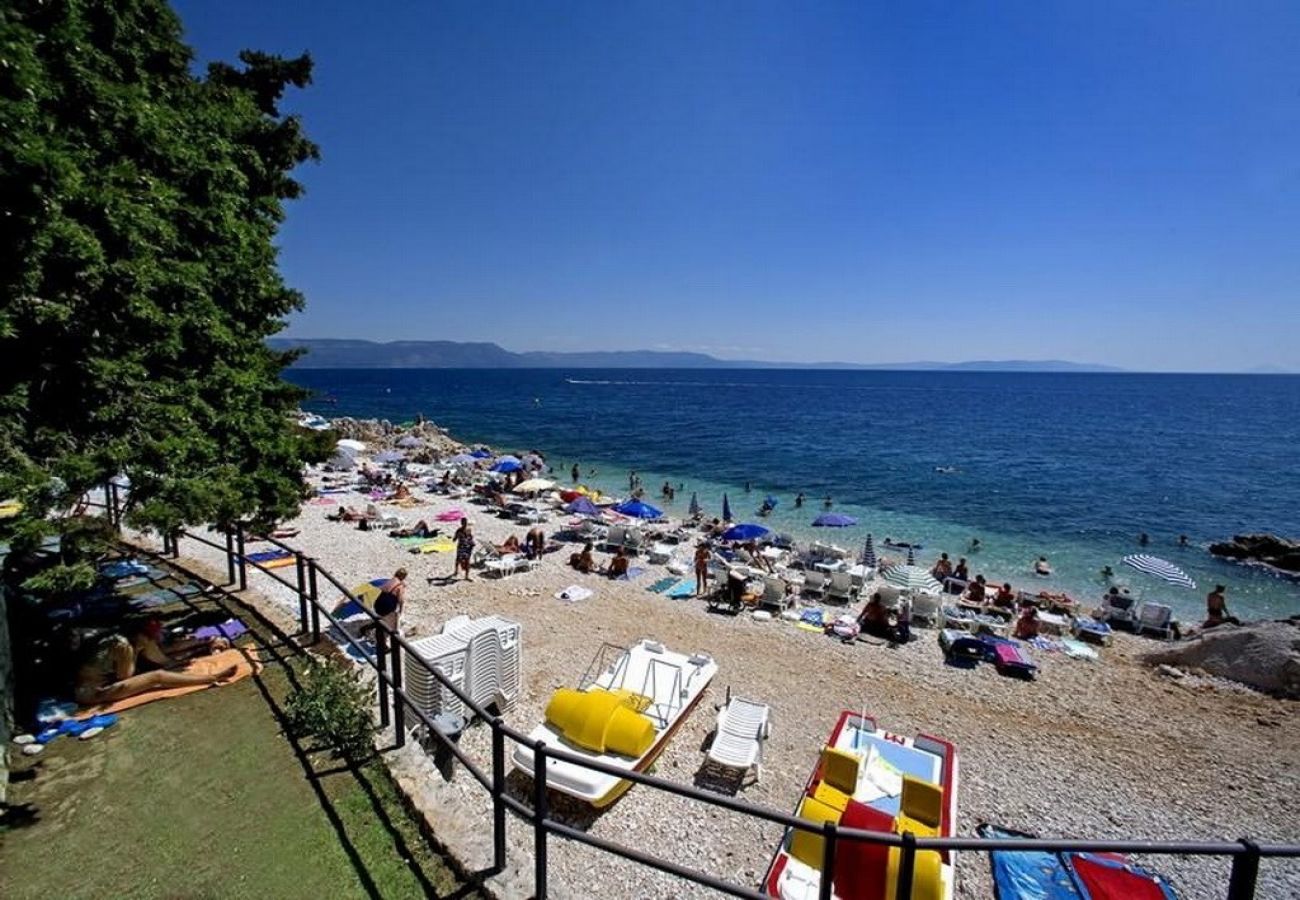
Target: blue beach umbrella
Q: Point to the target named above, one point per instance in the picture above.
(583, 507)
(695, 504)
(638, 510)
(480, 453)
(744, 532)
(869, 554)
(726, 509)
(509, 464)
(834, 520)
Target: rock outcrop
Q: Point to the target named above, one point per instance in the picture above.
(1265, 655)
(1265, 549)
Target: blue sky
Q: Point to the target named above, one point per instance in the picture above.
(1105, 182)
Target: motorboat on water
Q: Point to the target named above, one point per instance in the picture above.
(875, 780)
(623, 713)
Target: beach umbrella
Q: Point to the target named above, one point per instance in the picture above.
(463, 459)
(1159, 568)
(911, 556)
(726, 509)
(509, 464)
(834, 520)
(638, 510)
(912, 578)
(744, 532)
(533, 485)
(583, 507)
(695, 504)
(481, 453)
(869, 554)
(410, 441)
(389, 456)
(349, 445)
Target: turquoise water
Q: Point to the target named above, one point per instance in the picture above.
(1068, 466)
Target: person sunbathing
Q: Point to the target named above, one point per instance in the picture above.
(511, 545)
(420, 529)
(1005, 598)
(583, 562)
(346, 514)
(110, 673)
(975, 592)
(1027, 624)
(402, 492)
(617, 567)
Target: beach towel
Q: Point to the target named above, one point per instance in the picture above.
(450, 515)
(322, 501)
(573, 593)
(662, 585)
(151, 599)
(123, 568)
(265, 557)
(245, 661)
(632, 574)
(1042, 875)
(683, 590)
(1078, 650)
(438, 545)
(229, 629)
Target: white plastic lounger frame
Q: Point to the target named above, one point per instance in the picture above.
(743, 726)
(1156, 617)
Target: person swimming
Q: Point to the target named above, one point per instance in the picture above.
(1041, 567)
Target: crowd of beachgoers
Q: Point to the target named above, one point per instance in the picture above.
(1088, 741)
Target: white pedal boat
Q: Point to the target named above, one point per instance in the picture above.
(623, 713)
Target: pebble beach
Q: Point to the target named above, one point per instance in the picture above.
(1111, 748)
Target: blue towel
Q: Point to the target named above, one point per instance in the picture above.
(662, 584)
(632, 574)
(683, 589)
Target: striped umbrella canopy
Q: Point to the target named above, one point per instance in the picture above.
(1159, 568)
(911, 556)
(912, 578)
(726, 509)
(869, 554)
(695, 504)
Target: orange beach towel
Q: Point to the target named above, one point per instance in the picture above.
(245, 661)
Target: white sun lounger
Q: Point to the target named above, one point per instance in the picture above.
(1156, 617)
(506, 565)
(743, 726)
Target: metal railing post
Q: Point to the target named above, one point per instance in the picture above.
(230, 556)
(906, 865)
(302, 591)
(381, 661)
(539, 820)
(399, 705)
(243, 563)
(315, 600)
(176, 544)
(498, 795)
(829, 834)
(1245, 872)
(113, 502)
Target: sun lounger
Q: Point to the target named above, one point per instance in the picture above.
(1119, 609)
(505, 565)
(926, 607)
(814, 584)
(743, 726)
(660, 552)
(1155, 617)
(1093, 632)
(775, 596)
(960, 647)
(841, 587)
(1008, 659)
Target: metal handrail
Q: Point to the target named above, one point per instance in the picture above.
(1245, 853)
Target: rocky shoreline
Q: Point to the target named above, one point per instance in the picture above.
(1278, 554)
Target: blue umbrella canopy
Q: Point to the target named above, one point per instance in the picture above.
(869, 553)
(726, 509)
(638, 510)
(744, 532)
(583, 507)
(508, 465)
(695, 504)
(480, 453)
(834, 520)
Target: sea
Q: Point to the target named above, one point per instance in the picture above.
(1071, 466)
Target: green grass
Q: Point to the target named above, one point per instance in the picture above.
(204, 796)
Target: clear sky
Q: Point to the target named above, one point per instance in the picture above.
(1110, 182)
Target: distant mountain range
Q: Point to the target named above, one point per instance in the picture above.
(330, 353)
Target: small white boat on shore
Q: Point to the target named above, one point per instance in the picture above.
(874, 780)
(623, 713)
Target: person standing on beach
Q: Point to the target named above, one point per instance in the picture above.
(575, 473)
(701, 569)
(464, 539)
(798, 500)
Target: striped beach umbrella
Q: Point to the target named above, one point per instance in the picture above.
(695, 504)
(911, 556)
(912, 578)
(869, 554)
(726, 509)
(1159, 568)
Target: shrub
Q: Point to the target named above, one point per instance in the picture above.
(334, 707)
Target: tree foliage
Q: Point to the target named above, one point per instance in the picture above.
(138, 273)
